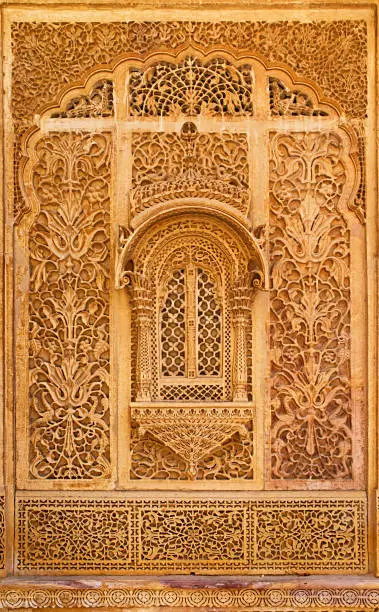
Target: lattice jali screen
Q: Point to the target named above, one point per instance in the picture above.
(190, 328)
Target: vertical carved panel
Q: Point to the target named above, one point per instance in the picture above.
(310, 309)
(69, 309)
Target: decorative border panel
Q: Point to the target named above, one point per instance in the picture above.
(270, 595)
(247, 535)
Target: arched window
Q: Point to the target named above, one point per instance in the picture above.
(192, 290)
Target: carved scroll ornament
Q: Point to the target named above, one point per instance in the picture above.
(192, 164)
(97, 103)
(286, 103)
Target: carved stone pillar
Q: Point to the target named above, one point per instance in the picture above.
(142, 296)
(241, 302)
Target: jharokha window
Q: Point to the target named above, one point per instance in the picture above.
(191, 313)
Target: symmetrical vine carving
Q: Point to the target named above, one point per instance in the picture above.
(310, 309)
(69, 308)
(284, 102)
(98, 103)
(170, 166)
(56, 534)
(190, 88)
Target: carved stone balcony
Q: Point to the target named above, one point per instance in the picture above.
(190, 429)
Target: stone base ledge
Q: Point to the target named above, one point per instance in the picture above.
(193, 592)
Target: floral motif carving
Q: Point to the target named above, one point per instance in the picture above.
(284, 102)
(238, 534)
(315, 532)
(84, 534)
(170, 166)
(69, 308)
(210, 536)
(190, 88)
(98, 103)
(310, 309)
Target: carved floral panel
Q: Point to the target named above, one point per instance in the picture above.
(187, 391)
(311, 432)
(47, 56)
(69, 254)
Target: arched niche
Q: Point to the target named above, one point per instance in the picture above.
(186, 244)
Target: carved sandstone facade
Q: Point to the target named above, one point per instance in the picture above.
(191, 385)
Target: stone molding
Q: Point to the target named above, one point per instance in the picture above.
(188, 593)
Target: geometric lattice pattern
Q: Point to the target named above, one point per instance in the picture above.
(192, 392)
(191, 534)
(209, 326)
(173, 327)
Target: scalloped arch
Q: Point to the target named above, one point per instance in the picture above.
(148, 60)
